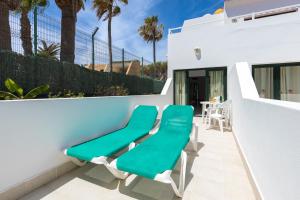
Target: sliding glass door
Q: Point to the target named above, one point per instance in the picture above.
(216, 84)
(181, 93)
(191, 87)
(278, 81)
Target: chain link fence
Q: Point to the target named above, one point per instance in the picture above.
(36, 34)
(49, 31)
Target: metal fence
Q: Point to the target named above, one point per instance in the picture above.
(30, 72)
(49, 30)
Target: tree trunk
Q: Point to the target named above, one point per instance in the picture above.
(154, 52)
(68, 28)
(110, 44)
(5, 34)
(26, 34)
(154, 56)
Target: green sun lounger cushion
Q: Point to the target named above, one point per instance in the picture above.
(161, 151)
(139, 125)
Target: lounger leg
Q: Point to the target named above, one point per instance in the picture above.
(112, 167)
(75, 160)
(180, 190)
(78, 162)
(194, 140)
(182, 173)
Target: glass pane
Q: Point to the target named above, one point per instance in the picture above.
(180, 88)
(216, 84)
(290, 83)
(264, 82)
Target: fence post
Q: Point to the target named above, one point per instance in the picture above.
(93, 47)
(35, 29)
(142, 70)
(123, 60)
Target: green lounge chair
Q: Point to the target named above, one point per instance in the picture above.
(98, 150)
(157, 156)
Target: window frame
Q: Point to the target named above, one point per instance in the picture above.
(276, 75)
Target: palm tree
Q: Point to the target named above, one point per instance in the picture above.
(5, 33)
(69, 10)
(151, 31)
(24, 8)
(108, 9)
(49, 51)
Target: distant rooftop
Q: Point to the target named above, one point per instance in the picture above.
(242, 7)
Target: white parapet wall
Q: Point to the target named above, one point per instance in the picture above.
(268, 133)
(34, 133)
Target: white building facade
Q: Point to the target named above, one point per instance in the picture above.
(270, 44)
(253, 60)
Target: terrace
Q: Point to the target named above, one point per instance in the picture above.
(257, 159)
(225, 166)
(216, 171)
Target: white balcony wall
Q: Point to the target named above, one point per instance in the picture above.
(262, 41)
(35, 132)
(268, 133)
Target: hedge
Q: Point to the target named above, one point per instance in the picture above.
(31, 71)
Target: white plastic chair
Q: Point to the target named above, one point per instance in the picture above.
(221, 114)
(211, 109)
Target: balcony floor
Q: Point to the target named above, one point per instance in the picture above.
(215, 172)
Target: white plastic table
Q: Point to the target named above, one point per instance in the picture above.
(204, 106)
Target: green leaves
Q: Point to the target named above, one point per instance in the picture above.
(151, 30)
(16, 92)
(107, 9)
(13, 87)
(49, 51)
(37, 91)
(7, 96)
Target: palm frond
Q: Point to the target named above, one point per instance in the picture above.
(49, 51)
(106, 9)
(151, 30)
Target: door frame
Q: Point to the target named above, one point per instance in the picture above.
(207, 85)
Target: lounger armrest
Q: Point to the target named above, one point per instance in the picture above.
(155, 129)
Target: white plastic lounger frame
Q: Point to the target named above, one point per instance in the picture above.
(165, 177)
(102, 160)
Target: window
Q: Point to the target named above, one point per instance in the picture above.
(290, 83)
(278, 81)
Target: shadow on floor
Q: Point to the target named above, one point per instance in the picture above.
(145, 189)
(133, 186)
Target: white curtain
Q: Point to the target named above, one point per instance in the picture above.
(180, 88)
(290, 83)
(216, 84)
(264, 82)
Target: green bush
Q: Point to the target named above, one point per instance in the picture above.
(66, 94)
(111, 91)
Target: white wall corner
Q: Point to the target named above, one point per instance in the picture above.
(247, 85)
(167, 87)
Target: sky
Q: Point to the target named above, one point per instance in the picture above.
(171, 13)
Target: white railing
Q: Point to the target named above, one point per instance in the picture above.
(175, 30)
(267, 132)
(266, 13)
